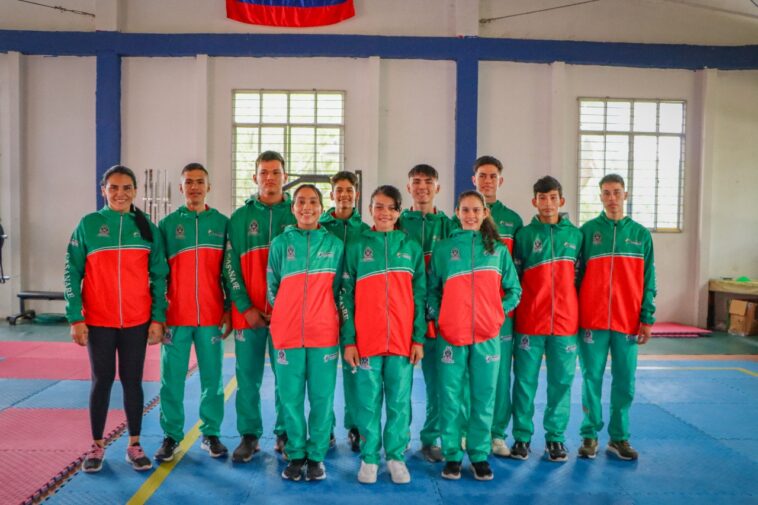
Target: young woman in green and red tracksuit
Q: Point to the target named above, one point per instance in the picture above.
(472, 286)
(194, 237)
(304, 276)
(115, 285)
(383, 328)
(546, 254)
(616, 313)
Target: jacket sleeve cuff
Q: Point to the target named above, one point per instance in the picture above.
(74, 323)
(349, 345)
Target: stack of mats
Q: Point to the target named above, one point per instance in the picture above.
(44, 418)
(675, 330)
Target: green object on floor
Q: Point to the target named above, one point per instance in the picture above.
(49, 318)
(743, 279)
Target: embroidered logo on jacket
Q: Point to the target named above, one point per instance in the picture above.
(253, 228)
(447, 356)
(104, 231)
(569, 245)
(282, 358)
(597, 238)
(632, 242)
(180, 232)
(537, 246)
(403, 255)
(290, 253)
(368, 254)
(455, 254)
(325, 254)
(217, 234)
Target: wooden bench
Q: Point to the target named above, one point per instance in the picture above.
(32, 295)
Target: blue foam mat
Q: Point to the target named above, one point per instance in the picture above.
(74, 394)
(14, 391)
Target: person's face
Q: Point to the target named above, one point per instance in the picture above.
(270, 177)
(423, 189)
(471, 213)
(306, 209)
(344, 195)
(547, 204)
(194, 186)
(119, 192)
(613, 196)
(487, 180)
(384, 212)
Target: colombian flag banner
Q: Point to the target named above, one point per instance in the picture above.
(292, 13)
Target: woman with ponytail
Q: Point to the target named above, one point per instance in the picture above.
(472, 285)
(115, 283)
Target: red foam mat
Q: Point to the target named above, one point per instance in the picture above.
(40, 443)
(63, 360)
(673, 329)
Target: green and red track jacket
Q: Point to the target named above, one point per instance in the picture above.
(251, 230)
(304, 278)
(618, 276)
(347, 230)
(383, 293)
(427, 229)
(507, 221)
(470, 290)
(113, 277)
(194, 243)
(547, 257)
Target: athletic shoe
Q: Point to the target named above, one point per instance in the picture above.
(244, 452)
(432, 453)
(398, 471)
(521, 450)
(167, 450)
(499, 448)
(93, 461)
(588, 448)
(332, 441)
(354, 437)
(367, 473)
(135, 456)
(556, 452)
(294, 470)
(482, 470)
(452, 470)
(213, 445)
(315, 471)
(281, 442)
(622, 450)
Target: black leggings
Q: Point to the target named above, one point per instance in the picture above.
(104, 343)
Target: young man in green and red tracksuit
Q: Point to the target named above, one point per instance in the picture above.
(487, 179)
(427, 225)
(194, 238)
(616, 313)
(383, 313)
(472, 285)
(251, 230)
(546, 253)
(344, 221)
(304, 277)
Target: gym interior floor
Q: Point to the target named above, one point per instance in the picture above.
(693, 422)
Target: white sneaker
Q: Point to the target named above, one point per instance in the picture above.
(398, 471)
(367, 473)
(499, 448)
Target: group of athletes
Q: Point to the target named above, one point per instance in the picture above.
(476, 299)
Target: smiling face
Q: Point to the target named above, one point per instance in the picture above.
(194, 186)
(384, 211)
(422, 189)
(306, 206)
(344, 196)
(471, 213)
(487, 180)
(119, 191)
(547, 205)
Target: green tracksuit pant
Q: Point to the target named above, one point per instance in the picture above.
(250, 350)
(560, 359)
(387, 378)
(175, 353)
(502, 414)
(482, 362)
(593, 355)
(430, 433)
(350, 392)
(314, 368)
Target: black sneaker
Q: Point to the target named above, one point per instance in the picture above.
(452, 470)
(294, 470)
(315, 471)
(482, 470)
(432, 453)
(281, 442)
(332, 441)
(556, 452)
(521, 450)
(213, 445)
(622, 449)
(135, 456)
(167, 450)
(244, 452)
(354, 437)
(93, 461)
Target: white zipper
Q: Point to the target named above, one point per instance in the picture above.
(387, 287)
(197, 268)
(473, 291)
(305, 288)
(610, 280)
(120, 301)
(552, 282)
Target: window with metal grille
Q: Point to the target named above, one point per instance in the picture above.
(306, 127)
(643, 141)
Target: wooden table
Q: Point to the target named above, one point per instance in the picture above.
(729, 289)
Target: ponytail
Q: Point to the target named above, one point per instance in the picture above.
(140, 219)
(490, 234)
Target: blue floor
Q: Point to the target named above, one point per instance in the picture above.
(693, 423)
